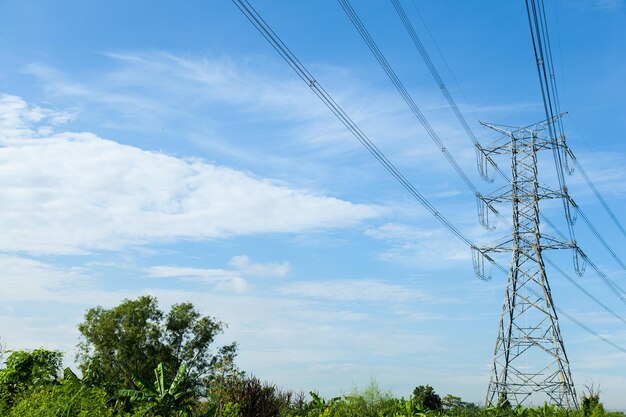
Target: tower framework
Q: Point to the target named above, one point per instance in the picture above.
(529, 363)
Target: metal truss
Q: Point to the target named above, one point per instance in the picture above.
(529, 364)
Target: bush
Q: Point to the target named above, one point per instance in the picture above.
(590, 401)
(26, 371)
(250, 397)
(64, 399)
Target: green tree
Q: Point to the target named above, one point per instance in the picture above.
(131, 339)
(163, 398)
(426, 398)
(451, 402)
(25, 371)
(454, 403)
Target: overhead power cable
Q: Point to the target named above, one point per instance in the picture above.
(589, 330)
(356, 21)
(543, 55)
(603, 202)
(583, 326)
(541, 28)
(612, 285)
(582, 289)
(548, 94)
(443, 58)
(444, 89)
(441, 84)
(373, 47)
(259, 23)
(435, 74)
(599, 236)
(306, 76)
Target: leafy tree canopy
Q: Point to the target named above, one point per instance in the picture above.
(426, 398)
(131, 339)
(25, 371)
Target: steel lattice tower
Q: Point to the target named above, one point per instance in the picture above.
(529, 362)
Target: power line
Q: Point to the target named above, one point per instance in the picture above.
(435, 74)
(373, 47)
(481, 154)
(259, 23)
(581, 288)
(577, 164)
(599, 197)
(548, 59)
(598, 235)
(539, 31)
(581, 325)
(371, 44)
(358, 24)
(547, 86)
(443, 58)
(306, 76)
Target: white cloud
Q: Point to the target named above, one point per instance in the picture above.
(25, 279)
(224, 278)
(18, 120)
(606, 171)
(428, 247)
(259, 89)
(246, 266)
(75, 192)
(34, 331)
(356, 290)
(608, 5)
(31, 281)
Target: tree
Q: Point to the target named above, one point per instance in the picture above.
(163, 398)
(26, 371)
(453, 403)
(131, 339)
(426, 398)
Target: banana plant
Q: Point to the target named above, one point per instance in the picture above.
(162, 398)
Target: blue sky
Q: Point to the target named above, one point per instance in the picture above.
(164, 148)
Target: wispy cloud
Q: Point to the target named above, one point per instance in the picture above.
(25, 279)
(258, 91)
(414, 245)
(366, 290)
(598, 4)
(235, 278)
(223, 278)
(247, 266)
(18, 120)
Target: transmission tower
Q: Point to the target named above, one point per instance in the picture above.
(529, 364)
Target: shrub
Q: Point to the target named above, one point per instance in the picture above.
(252, 397)
(25, 371)
(590, 401)
(64, 399)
